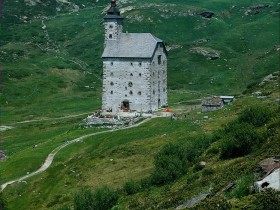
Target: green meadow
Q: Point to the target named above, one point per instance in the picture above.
(52, 79)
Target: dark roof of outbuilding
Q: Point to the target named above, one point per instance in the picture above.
(215, 101)
(131, 45)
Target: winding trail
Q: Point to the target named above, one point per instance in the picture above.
(48, 161)
(49, 119)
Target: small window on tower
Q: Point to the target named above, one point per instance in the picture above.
(131, 74)
(139, 93)
(111, 74)
(112, 92)
(110, 36)
(154, 92)
(130, 92)
(111, 83)
(112, 63)
(140, 64)
(159, 59)
(140, 74)
(130, 84)
(131, 64)
(111, 26)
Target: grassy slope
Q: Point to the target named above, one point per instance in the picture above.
(114, 158)
(46, 73)
(42, 78)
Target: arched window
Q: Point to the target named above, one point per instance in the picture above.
(130, 92)
(139, 93)
(140, 64)
(111, 83)
(112, 63)
(140, 74)
(154, 92)
(130, 84)
(112, 92)
(131, 74)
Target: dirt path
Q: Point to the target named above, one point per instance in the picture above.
(51, 156)
(47, 119)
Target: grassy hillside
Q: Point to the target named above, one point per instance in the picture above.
(51, 57)
(51, 53)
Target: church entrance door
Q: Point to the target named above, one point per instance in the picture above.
(125, 106)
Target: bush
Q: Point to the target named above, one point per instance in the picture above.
(270, 199)
(84, 200)
(239, 140)
(170, 163)
(3, 202)
(256, 115)
(131, 187)
(242, 186)
(101, 199)
(146, 182)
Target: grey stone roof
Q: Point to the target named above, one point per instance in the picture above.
(131, 45)
(215, 101)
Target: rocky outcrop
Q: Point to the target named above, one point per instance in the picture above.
(256, 9)
(207, 14)
(207, 52)
(200, 41)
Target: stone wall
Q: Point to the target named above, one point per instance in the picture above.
(113, 29)
(159, 78)
(126, 79)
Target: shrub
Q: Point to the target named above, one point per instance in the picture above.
(242, 187)
(101, 199)
(84, 200)
(239, 140)
(270, 199)
(256, 115)
(3, 202)
(208, 171)
(198, 167)
(146, 182)
(170, 163)
(131, 187)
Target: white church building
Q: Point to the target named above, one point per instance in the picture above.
(134, 68)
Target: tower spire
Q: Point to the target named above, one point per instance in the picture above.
(113, 22)
(113, 3)
(113, 9)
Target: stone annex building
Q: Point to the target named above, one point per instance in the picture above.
(134, 68)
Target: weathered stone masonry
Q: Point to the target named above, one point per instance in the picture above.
(134, 68)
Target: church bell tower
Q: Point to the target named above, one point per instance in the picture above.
(113, 23)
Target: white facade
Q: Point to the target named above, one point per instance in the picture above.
(134, 69)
